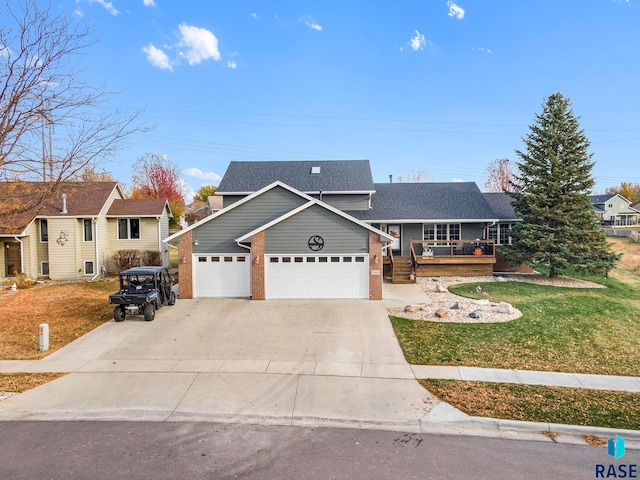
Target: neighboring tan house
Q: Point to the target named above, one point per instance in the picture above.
(615, 210)
(74, 232)
(324, 229)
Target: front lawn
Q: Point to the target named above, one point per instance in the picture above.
(562, 329)
(70, 309)
(534, 403)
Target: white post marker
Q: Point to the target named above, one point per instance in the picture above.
(44, 337)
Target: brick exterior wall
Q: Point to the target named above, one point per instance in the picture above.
(185, 270)
(257, 267)
(375, 281)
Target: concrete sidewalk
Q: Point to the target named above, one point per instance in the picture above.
(528, 377)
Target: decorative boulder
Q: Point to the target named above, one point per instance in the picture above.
(504, 307)
(476, 314)
(441, 313)
(422, 307)
(410, 308)
(482, 301)
(501, 279)
(441, 289)
(455, 306)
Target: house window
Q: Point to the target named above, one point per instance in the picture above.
(505, 229)
(441, 231)
(500, 233)
(44, 230)
(88, 268)
(44, 269)
(429, 232)
(128, 229)
(88, 229)
(610, 205)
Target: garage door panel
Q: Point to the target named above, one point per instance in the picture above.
(317, 276)
(219, 275)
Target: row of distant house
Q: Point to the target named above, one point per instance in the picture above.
(274, 230)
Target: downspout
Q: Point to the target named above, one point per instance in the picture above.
(160, 241)
(370, 196)
(21, 255)
(94, 221)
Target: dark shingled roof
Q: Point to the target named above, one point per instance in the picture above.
(84, 199)
(427, 201)
(137, 207)
(502, 205)
(601, 198)
(334, 176)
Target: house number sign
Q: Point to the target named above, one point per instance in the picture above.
(316, 243)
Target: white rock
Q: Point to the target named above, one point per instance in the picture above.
(504, 307)
(482, 301)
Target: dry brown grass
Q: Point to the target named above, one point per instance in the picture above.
(70, 309)
(628, 268)
(534, 403)
(20, 382)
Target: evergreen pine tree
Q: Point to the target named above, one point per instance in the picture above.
(559, 228)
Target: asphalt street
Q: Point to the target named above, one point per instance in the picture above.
(165, 450)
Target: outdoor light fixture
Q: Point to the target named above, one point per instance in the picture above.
(257, 260)
(183, 259)
(195, 242)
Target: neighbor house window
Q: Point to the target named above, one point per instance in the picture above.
(44, 269)
(88, 230)
(88, 268)
(128, 228)
(44, 230)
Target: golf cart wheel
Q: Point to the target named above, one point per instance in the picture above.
(119, 313)
(172, 298)
(149, 312)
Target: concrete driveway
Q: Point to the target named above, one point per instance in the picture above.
(300, 362)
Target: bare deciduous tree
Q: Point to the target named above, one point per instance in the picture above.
(499, 176)
(419, 176)
(53, 124)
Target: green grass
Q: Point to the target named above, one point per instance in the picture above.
(535, 403)
(562, 329)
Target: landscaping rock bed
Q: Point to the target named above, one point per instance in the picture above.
(458, 309)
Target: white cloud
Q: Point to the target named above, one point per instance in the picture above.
(417, 42)
(197, 173)
(483, 50)
(157, 57)
(455, 10)
(149, 3)
(311, 23)
(108, 6)
(457, 180)
(231, 64)
(255, 16)
(200, 43)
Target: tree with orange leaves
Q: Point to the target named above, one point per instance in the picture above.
(156, 176)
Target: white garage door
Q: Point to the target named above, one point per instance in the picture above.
(317, 276)
(218, 275)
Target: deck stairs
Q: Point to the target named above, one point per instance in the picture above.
(402, 270)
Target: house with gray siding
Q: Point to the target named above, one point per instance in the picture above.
(324, 229)
(279, 242)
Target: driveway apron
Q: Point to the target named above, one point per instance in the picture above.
(327, 362)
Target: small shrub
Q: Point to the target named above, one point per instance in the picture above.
(152, 257)
(124, 259)
(24, 281)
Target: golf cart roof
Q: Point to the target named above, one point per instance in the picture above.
(142, 271)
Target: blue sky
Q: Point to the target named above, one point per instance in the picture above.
(435, 86)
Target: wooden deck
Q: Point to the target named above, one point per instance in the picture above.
(463, 258)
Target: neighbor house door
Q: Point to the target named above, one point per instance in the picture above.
(12, 263)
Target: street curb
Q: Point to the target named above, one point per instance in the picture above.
(499, 428)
